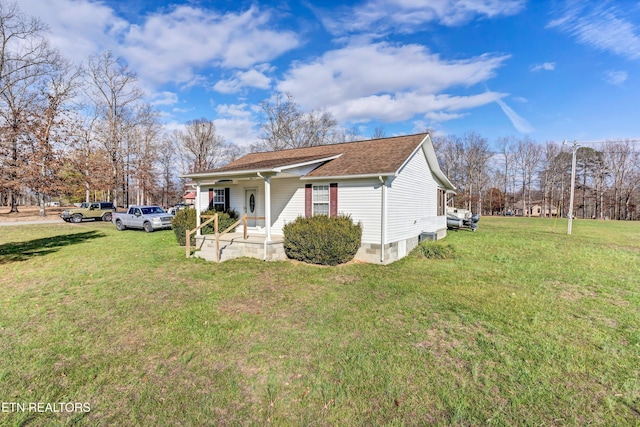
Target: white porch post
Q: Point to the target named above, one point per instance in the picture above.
(197, 206)
(267, 206)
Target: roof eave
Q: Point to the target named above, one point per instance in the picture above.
(257, 171)
(355, 176)
(206, 175)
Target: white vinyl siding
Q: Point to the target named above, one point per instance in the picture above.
(287, 202)
(412, 201)
(362, 200)
(236, 198)
(204, 198)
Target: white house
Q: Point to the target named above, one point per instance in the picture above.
(392, 186)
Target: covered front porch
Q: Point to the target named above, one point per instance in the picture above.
(248, 194)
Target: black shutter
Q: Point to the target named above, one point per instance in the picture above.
(226, 199)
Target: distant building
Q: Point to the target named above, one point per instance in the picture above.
(190, 198)
(536, 209)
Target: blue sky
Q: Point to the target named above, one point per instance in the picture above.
(550, 70)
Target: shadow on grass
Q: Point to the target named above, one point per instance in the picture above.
(23, 251)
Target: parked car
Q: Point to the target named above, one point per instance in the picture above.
(95, 211)
(175, 209)
(148, 218)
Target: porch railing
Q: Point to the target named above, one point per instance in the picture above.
(217, 234)
(190, 232)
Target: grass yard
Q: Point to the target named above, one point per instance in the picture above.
(526, 326)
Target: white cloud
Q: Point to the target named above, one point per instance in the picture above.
(234, 110)
(242, 79)
(601, 27)
(545, 66)
(441, 116)
(78, 28)
(388, 83)
(615, 78)
(409, 15)
(518, 122)
(172, 45)
(163, 98)
(240, 131)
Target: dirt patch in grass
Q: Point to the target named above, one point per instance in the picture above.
(343, 279)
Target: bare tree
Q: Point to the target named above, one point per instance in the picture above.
(167, 165)
(349, 135)
(476, 161)
(506, 147)
(379, 132)
(144, 140)
(287, 126)
(25, 57)
(232, 152)
(549, 175)
(527, 158)
(450, 152)
(114, 94)
(201, 147)
(624, 162)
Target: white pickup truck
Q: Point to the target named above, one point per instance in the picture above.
(148, 218)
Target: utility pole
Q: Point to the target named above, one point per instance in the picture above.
(573, 182)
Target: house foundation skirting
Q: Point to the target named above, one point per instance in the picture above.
(371, 252)
(234, 245)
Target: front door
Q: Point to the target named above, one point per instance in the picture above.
(251, 206)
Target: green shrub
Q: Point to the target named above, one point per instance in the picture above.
(225, 220)
(186, 220)
(435, 250)
(322, 240)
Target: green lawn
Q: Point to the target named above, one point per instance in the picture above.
(526, 326)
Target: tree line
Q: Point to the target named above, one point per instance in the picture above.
(516, 175)
(83, 132)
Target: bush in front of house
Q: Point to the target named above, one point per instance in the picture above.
(322, 240)
(435, 250)
(185, 220)
(225, 220)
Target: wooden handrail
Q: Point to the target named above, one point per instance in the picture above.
(190, 232)
(217, 235)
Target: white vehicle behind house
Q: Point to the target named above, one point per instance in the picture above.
(148, 218)
(462, 218)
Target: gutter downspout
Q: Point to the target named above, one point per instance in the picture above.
(198, 233)
(383, 221)
(267, 212)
